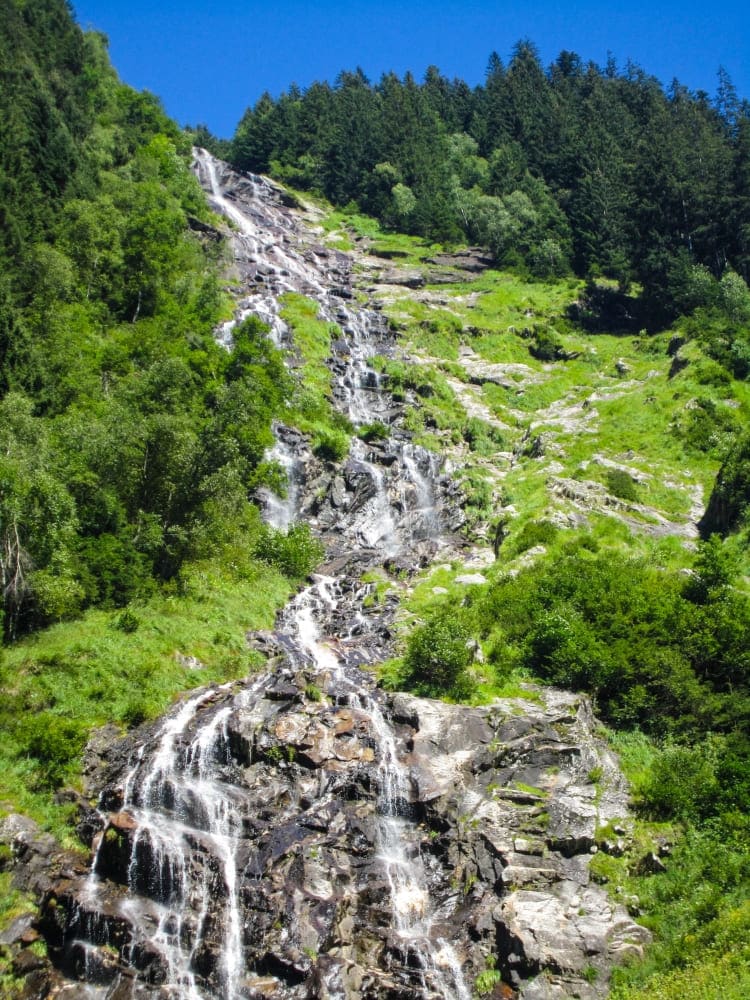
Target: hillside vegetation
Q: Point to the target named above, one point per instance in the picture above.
(587, 459)
(598, 169)
(129, 440)
(591, 391)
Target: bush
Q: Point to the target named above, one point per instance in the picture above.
(295, 553)
(620, 484)
(534, 533)
(681, 783)
(54, 742)
(728, 504)
(706, 427)
(628, 633)
(482, 438)
(374, 432)
(127, 621)
(141, 709)
(546, 346)
(437, 655)
(331, 446)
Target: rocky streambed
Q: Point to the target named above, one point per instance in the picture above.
(303, 834)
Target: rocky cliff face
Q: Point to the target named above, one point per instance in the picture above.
(303, 834)
(272, 842)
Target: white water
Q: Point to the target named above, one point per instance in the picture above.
(377, 525)
(280, 512)
(177, 803)
(173, 795)
(397, 837)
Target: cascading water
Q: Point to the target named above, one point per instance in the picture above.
(178, 843)
(360, 395)
(176, 803)
(413, 919)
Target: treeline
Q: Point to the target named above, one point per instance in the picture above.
(129, 441)
(596, 169)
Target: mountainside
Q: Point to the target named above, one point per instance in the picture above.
(578, 166)
(500, 466)
(300, 834)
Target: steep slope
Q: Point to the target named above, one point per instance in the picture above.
(303, 834)
(506, 488)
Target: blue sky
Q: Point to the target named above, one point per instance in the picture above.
(209, 61)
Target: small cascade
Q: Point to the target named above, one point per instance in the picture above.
(358, 385)
(422, 470)
(413, 915)
(180, 824)
(207, 166)
(280, 511)
(397, 841)
(373, 525)
(266, 308)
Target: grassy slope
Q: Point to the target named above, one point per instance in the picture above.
(95, 670)
(616, 407)
(614, 404)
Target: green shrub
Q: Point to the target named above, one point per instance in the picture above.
(534, 533)
(486, 981)
(681, 784)
(621, 484)
(437, 655)
(141, 709)
(55, 744)
(546, 345)
(127, 621)
(481, 437)
(627, 632)
(331, 445)
(296, 553)
(707, 427)
(374, 432)
(730, 497)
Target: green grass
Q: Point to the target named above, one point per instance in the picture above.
(312, 339)
(13, 903)
(79, 675)
(437, 406)
(710, 976)
(312, 411)
(343, 227)
(636, 416)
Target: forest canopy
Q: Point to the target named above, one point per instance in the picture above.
(596, 169)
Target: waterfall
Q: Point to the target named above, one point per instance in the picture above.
(176, 803)
(181, 848)
(379, 524)
(281, 511)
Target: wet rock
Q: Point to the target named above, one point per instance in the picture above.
(310, 829)
(95, 756)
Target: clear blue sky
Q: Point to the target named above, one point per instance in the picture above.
(209, 60)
